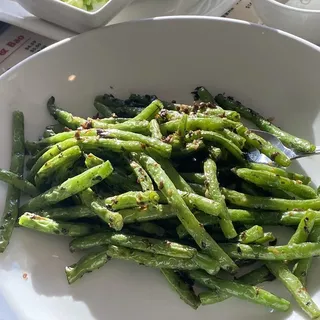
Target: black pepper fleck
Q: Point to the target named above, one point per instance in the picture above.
(203, 245)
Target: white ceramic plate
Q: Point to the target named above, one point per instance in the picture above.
(259, 66)
(13, 13)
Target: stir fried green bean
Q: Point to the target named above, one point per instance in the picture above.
(168, 185)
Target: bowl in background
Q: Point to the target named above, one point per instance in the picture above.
(141, 9)
(301, 22)
(70, 17)
(168, 57)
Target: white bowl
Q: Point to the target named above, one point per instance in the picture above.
(70, 17)
(302, 22)
(259, 66)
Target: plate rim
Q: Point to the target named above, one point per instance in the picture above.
(164, 18)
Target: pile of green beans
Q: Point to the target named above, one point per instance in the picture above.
(168, 186)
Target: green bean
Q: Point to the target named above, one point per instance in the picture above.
(113, 120)
(33, 149)
(202, 94)
(172, 173)
(142, 177)
(271, 180)
(63, 117)
(10, 213)
(68, 188)
(206, 263)
(198, 189)
(155, 129)
(267, 237)
(33, 159)
(231, 115)
(117, 106)
(202, 238)
(68, 156)
(281, 271)
(256, 276)
(148, 228)
(314, 235)
(215, 153)
(212, 185)
(251, 235)
(176, 113)
(234, 137)
(206, 110)
(194, 201)
(66, 213)
(145, 244)
(277, 193)
(184, 291)
(193, 177)
(219, 139)
(49, 154)
(292, 218)
(289, 140)
(213, 296)
(64, 173)
(103, 109)
(302, 233)
(48, 133)
(242, 291)
(265, 147)
(46, 225)
(304, 228)
(182, 127)
(266, 203)
(92, 160)
(86, 264)
(193, 109)
(57, 128)
(190, 148)
(150, 111)
(252, 278)
(139, 127)
(250, 189)
(73, 122)
(301, 268)
(163, 148)
(272, 253)
(204, 219)
(237, 215)
(150, 259)
(174, 141)
(59, 137)
(119, 183)
(18, 182)
(90, 199)
(208, 124)
(147, 213)
(168, 115)
(132, 199)
(88, 144)
(141, 100)
(92, 144)
(255, 216)
(279, 171)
